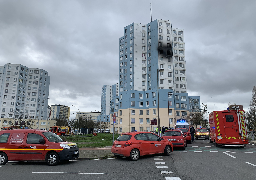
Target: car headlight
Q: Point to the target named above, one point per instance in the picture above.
(65, 146)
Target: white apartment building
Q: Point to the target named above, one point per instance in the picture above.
(24, 92)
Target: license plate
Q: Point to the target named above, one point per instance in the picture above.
(76, 152)
(118, 145)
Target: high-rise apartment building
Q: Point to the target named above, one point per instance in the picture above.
(152, 78)
(60, 112)
(152, 56)
(24, 92)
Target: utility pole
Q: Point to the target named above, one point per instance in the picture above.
(158, 104)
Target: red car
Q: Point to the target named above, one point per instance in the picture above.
(31, 145)
(136, 144)
(187, 134)
(176, 137)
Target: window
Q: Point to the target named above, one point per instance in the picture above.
(152, 137)
(132, 103)
(4, 137)
(133, 112)
(141, 120)
(170, 111)
(141, 104)
(148, 121)
(141, 112)
(161, 81)
(34, 138)
(121, 121)
(169, 74)
(154, 103)
(141, 128)
(154, 111)
(141, 136)
(132, 95)
(120, 129)
(147, 112)
(120, 112)
(229, 118)
(132, 120)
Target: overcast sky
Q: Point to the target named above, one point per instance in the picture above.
(76, 41)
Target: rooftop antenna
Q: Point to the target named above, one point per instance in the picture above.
(151, 11)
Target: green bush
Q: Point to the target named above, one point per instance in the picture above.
(101, 140)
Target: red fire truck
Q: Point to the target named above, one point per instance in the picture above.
(228, 127)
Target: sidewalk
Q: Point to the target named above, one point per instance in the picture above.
(93, 153)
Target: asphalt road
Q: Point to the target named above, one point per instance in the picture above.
(201, 160)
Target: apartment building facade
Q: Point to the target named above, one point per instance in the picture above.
(152, 78)
(59, 112)
(24, 92)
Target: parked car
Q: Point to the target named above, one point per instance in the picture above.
(187, 134)
(202, 133)
(107, 131)
(31, 144)
(176, 137)
(136, 144)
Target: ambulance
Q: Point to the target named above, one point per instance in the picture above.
(228, 127)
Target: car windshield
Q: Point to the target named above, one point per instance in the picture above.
(124, 137)
(184, 130)
(202, 130)
(52, 137)
(182, 126)
(172, 133)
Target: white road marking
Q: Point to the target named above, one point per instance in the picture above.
(96, 159)
(198, 151)
(253, 144)
(90, 173)
(73, 160)
(161, 167)
(172, 178)
(158, 156)
(248, 152)
(61, 173)
(0, 166)
(166, 172)
(194, 146)
(214, 151)
(159, 162)
(227, 151)
(48, 172)
(250, 163)
(110, 158)
(208, 146)
(229, 155)
(233, 152)
(184, 151)
(158, 159)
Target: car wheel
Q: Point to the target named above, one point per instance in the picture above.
(52, 158)
(167, 151)
(134, 154)
(3, 158)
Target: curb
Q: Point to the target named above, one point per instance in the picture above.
(94, 153)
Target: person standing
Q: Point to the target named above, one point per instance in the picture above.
(192, 132)
(163, 129)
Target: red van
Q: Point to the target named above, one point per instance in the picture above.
(31, 144)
